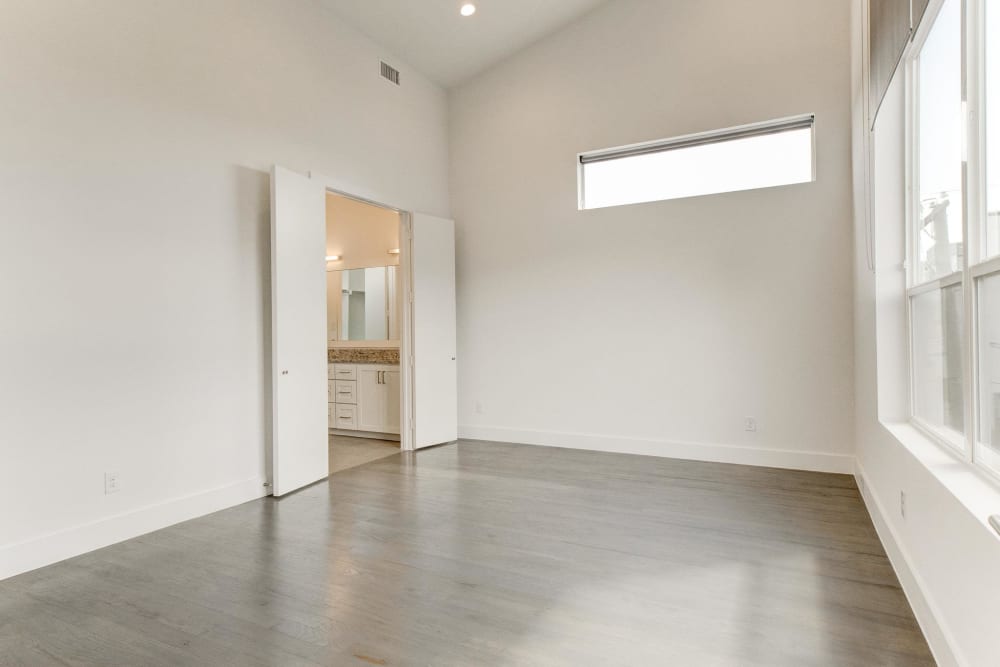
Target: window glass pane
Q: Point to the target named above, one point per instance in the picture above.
(954, 379)
(937, 361)
(939, 147)
(989, 369)
(760, 161)
(992, 32)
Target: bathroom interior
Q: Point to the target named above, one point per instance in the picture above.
(364, 324)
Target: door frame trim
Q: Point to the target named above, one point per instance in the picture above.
(407, 428)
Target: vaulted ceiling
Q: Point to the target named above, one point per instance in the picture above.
(433, 37)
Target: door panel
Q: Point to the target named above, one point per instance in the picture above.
(435, 379)
(298, 332)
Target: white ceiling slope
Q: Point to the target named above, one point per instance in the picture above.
(431, 36)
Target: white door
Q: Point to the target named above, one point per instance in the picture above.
(298, 331)
(435, 378)
(371, 399)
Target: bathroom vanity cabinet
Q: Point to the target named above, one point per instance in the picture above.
(365, 397)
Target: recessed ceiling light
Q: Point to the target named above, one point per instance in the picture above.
(468, 9)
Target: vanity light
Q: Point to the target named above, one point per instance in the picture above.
(394, 251)
(468, 9)
(334, 258)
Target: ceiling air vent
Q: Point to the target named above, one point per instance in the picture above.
(389, 72)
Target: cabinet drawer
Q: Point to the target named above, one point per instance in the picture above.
(344, 372)
(345, 391)
(344, 416)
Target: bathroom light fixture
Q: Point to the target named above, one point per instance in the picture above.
(394, 251)
(468, 9)
(334, 258)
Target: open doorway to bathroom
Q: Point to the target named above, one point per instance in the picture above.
(364, 331)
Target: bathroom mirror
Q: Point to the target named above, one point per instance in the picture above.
(367, 308)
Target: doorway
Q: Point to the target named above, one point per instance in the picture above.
(426, 372)
(364, 330)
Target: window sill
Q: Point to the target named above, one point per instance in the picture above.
(975, 489)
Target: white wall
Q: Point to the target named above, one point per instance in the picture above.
(135, 140)
(943, 550)
(740, 303)
(360, 233)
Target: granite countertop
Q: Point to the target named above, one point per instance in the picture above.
(363, 355)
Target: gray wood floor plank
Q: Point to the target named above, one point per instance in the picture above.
(489, 554)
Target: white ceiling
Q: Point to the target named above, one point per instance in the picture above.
(433, 37)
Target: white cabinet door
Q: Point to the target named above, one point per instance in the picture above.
(371, 399)
(392, 387)
(378, 396)
(298, 332)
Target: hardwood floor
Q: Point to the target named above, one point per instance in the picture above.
(489, 554)
(349, 452)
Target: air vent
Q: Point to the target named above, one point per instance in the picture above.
(389, 72)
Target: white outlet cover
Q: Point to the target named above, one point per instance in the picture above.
(111, 483)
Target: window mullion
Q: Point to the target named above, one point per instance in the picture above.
(973, 221)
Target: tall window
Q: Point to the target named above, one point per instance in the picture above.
(991, 49)
(954, 227)
(987, 444)
(937, 230)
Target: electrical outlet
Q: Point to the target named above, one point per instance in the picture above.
(111, 483)
(750, 424)
(902, 504)
(479, 408)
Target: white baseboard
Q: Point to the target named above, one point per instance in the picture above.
(754, 456)
(926, 612)
(54, 547)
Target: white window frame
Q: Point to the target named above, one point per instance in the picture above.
(974, 266)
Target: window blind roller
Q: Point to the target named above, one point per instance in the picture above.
(757, 129)
(889, 31)
(891, 24)
(917, 10)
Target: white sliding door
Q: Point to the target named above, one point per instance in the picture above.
(435, 385)
(298, 331)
